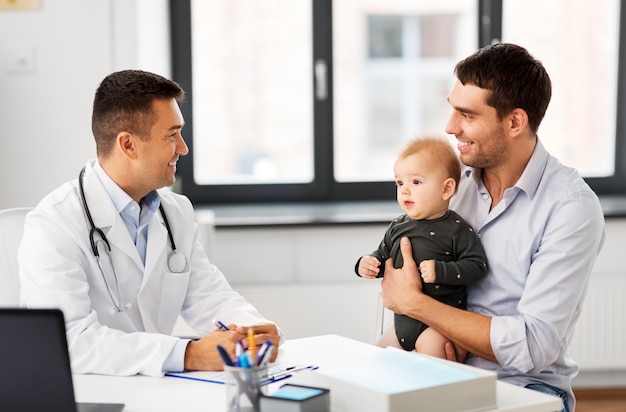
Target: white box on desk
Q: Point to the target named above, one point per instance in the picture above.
(397, 381)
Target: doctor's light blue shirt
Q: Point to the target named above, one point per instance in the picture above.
(136, 217)
(541, 241)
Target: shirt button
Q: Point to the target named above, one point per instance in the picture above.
(485, 196)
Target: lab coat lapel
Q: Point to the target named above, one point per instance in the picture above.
(156, 250)
(107, 219)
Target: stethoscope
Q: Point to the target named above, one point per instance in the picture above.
(176, 261)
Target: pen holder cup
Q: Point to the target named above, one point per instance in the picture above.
(244, 387)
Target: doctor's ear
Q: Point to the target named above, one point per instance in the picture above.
(125, 142)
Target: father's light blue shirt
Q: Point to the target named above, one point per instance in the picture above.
(541, 242)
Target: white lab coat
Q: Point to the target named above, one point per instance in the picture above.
(58, 269)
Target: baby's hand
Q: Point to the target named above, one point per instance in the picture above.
(369, 267)
(427, 270)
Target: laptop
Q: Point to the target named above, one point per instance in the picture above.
(35, 370)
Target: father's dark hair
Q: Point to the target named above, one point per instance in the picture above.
(514, 78)
(123, 101)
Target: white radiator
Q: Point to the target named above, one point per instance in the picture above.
(600, 338)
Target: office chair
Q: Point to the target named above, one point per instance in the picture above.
(11, 231)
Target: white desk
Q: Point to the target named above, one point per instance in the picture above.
(145, 394)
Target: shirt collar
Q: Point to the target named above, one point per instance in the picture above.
(120, 198)
(531, 176)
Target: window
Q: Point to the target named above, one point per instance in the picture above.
(252, 104)
(311, 101)
(578, 42)
(393, 70)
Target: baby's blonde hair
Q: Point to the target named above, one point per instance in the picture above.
(440, 149)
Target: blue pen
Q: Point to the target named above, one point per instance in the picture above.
(289, 371)
(191, 378)
(268, 355)
(239, 348)
(243, 361)
(272, 380)
(218, 324)
(225, 356)
(265, 352)
(262, 351)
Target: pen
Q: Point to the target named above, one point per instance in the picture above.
(243, 361)
(192, 378)
(266, 357)
(263, 351)
(272, 380)
(225, 356)
(239, 348)
(251, 345)
(290, 370)
(218, 324)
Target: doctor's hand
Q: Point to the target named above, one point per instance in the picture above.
(401, 286)
(202, 354)
(261, 332)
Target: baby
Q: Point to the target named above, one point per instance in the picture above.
(446, 249)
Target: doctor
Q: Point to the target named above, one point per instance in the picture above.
(121, 258)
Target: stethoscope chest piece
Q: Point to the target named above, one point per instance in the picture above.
(176, 262)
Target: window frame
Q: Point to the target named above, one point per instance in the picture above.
(324, 188)
(490, 26)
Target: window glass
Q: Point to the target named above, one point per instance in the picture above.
(252, 91)
(577, 41)
(252, 67)
(393, 63)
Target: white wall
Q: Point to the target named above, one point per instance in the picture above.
(303, 277)
(45, 110)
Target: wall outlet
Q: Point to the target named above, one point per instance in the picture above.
(21, 58)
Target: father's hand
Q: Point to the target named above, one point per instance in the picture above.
(401, 286)
(455, 353)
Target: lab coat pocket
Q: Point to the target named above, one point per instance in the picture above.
(173, 293)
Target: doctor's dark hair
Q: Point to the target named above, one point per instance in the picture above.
(123, 101)
(514, 78)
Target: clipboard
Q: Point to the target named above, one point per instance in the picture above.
(277, 371)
